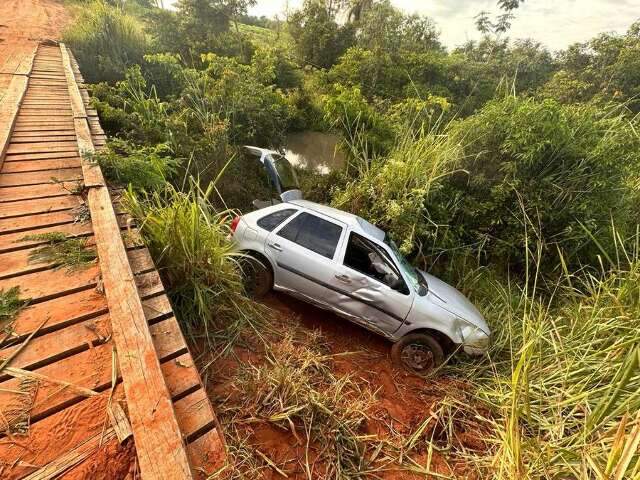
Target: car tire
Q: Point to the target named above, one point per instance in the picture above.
(418, 353)
(257, 276)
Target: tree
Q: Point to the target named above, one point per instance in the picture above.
(319, 39)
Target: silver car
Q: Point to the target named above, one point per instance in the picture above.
(341, 262)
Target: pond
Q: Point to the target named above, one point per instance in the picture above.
(314, 150)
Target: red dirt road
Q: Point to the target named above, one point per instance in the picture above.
(22, 24)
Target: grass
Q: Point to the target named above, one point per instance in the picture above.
(10, 306)
(189, 241)
(61, 251)
(105, 39)
(295, 390)
(563, 376)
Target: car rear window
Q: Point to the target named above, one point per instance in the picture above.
(316, 234)
(271, 221)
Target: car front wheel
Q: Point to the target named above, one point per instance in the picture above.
(418, 353)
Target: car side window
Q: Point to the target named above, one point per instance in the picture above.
(367, 258)
(271, 221)
(314, 233)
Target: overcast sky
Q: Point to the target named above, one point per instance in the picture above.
(556, 23)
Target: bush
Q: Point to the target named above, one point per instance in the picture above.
(105, 40)
(562, 174)
(526, 171)
(189, 241)
(142, 168)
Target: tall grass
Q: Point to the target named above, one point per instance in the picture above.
(392, 191)
(189, 241)
(105, 40)
(563, 376)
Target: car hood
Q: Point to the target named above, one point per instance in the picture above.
(453, 301)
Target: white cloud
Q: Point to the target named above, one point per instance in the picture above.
(555, 23)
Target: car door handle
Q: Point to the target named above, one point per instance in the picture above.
(276, 246)
(343, 278)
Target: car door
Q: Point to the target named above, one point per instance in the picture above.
(303, 250)
(373, 289)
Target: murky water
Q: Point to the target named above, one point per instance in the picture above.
(314, 150)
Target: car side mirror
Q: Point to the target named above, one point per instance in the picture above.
(422, 290)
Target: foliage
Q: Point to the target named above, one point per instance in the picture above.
(105, 40)
(568, 168)
(145, 168)
(396, 191)
(61, 251)
(562, 375)
(189, 241)
(320, 40)
(10, 305)
(605, 68)
(350, 113)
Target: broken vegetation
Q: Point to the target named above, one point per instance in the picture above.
(61, 251)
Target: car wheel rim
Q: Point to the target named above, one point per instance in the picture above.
(417, 357)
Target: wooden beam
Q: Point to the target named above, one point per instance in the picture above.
(159, 444)
(11, 101)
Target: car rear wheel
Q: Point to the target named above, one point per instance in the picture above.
(418, 353)
(258, 277)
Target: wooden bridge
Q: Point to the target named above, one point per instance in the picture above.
(96, 358)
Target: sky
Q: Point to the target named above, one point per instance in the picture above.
(555, 23)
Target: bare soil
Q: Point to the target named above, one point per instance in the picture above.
(402, 401)
(23, 23)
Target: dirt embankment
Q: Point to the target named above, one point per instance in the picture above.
(399, 407)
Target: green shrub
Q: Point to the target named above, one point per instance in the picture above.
(567, 170)
(189, 241)
(105, 40)
(143, 168)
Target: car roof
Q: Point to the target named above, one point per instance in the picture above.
(354, 221)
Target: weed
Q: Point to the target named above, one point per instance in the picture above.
(189, 241)
(10, 306)
(296, 390)
(61, 251)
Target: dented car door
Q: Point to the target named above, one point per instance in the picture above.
(368, 287)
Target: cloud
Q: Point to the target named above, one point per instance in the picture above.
(556, 24)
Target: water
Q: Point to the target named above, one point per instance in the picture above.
(314, 150)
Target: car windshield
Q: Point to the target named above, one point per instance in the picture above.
(407, 268)
(286, 173)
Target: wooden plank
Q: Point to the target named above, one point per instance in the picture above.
(74, 425)
(19, 262)
(40, 177)
(46, 349)
(13, 241)
(40, 133)
(9, 106)
(60, 311)
(44, 127)
(12, 194)
(159, 445)
(39, 165)
(68, 146)
(194, 412)
(24, 224)
(49, 284)
(208, 452)
(17, 157)
(48, 137)
(39, 205)
(73, 457)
